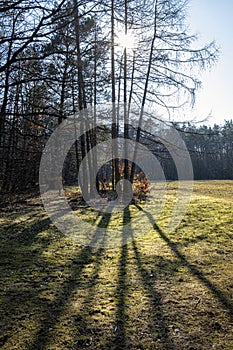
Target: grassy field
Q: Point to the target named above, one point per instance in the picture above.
(157, 291)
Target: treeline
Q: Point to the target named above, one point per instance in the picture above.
(210, 149)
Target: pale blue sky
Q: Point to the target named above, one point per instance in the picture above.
(213, 19)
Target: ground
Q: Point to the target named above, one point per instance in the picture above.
(157, 291)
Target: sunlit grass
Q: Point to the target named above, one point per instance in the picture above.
(159, 291)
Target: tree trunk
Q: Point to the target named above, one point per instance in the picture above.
(144, 93)
(81, 100)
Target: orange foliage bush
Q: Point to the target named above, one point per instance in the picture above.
(140, 183)
(140, 187)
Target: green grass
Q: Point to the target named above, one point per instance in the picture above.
(158, 291)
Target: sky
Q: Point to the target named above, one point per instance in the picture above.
(213, 20)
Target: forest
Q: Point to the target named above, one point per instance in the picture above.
(61, 58)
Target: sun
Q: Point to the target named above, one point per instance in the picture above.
(126, 41)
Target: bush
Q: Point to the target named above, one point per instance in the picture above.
(140, 187)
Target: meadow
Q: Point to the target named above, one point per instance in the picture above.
(158, 290)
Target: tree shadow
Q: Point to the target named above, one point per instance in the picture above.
(24, 273)
(218, 294)
(53, 311)
(82, 326)
(17, 265)
(120, 340)
(158, 319)
(157, 324)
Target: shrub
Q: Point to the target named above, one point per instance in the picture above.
(140, 187)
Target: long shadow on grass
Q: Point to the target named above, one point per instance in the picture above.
(158, 326)
(158, 319)
(81, 320)
(15, 244)
(84, 332)
(17, 281)
(223, 300)
(53, 311)
(120, 340)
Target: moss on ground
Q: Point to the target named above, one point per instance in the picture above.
(159, 291)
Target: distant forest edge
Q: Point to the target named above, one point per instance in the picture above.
(211, 151)
(210, 148)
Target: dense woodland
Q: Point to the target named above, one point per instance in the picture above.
(211, 150)
(58, 58)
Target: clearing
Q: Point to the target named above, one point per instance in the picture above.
(157, 291)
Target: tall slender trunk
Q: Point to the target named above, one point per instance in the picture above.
(131, 86)
(138, 134)
(81, 99)
(95, 113)
(75, 128)
(115, 172)
(4, 179)
(62, 98)
(126, 121)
